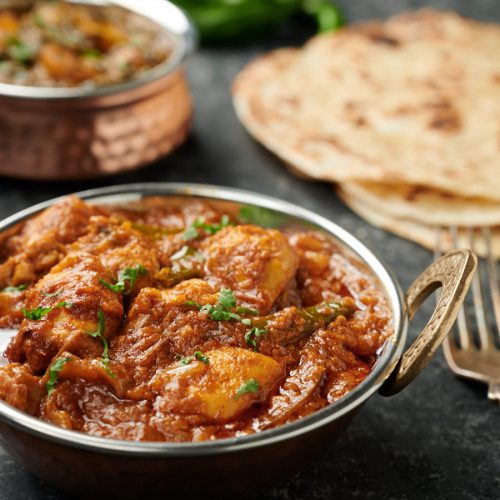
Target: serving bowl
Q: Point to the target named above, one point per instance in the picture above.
(86, 465)
(49, 133)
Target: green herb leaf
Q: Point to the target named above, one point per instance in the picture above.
(53, 294)
(224, 309)
(260, 216)
(92, 53)
(227, 300)
(99, 333)
(249, 386)
(15, 289)
(19, 51)
(201, 357)
(186, 360)
(130, 275)
(54, 370)
(39, 312)
(253, 335)
(192, 233)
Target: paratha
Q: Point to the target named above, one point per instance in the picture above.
(412, 100)
(426, 235)
(424, 205)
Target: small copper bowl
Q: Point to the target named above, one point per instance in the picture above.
(49, 133)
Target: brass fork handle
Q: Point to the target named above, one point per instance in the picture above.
(453, 272)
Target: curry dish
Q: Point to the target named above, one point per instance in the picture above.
(62, 44)
(181, 319)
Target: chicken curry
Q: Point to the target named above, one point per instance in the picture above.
(181, 319)
(63, 44)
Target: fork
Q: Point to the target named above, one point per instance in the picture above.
(476, 358)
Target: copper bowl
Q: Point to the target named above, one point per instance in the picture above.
(94, 467)
(49, 133)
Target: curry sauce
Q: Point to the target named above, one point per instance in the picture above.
(63, 44)
(177, 319)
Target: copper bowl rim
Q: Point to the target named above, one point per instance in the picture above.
(164, 14)
(384, 366)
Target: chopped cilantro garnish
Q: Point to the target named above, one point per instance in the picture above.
(39, 312)
(54, 370)
(201, 357)
(92, 53)
(186, 360)
(263, 217)
(99, 333)
(225, 308)
(249, 386)
(15, 289)
(252, 336)
(130, 275)
(19, 51)
(192, 232)
(227, 300)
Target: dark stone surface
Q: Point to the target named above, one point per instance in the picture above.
(439, 438)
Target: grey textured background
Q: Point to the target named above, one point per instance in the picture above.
(440, 438)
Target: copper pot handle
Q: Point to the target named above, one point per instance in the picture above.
(453, 272)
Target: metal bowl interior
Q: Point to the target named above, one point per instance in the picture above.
(290, 213)
(165, 14)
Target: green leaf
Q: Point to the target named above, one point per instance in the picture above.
(99, 333)
(92, 53)
(248, 387)
(186, 360)
(19, 51)
(15, 289)
(201, 357)
(39, 312)
(54, 370)
(328, 15)
(53, 294)
(227, 300)
(253, 335)
(192, 233)
(260, 216)
(126, 279)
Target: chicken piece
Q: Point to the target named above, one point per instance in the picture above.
(256, 264)
(92, 370)
(41, 243)
(11, 304)
(20, 388)
(160, 326)
(119, 246)
(71, 297)
(64, 64)
(220, 388)
(84, 406)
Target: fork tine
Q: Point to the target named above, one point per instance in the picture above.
(463, 329)
(492, 277)
(485, 339)
(438, 246)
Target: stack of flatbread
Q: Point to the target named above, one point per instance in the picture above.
(404, 115)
